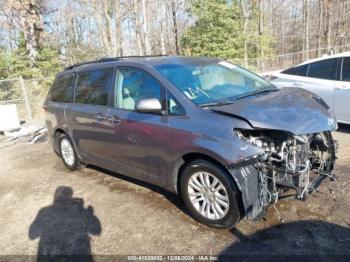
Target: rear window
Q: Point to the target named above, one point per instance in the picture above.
(63, 88)
(298, 70)
(93, 87)
(325, 69)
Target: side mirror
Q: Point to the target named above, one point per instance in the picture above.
(149, 105)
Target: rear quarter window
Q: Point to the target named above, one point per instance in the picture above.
(298, 70)
(63, 88)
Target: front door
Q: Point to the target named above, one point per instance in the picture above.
(140, 141)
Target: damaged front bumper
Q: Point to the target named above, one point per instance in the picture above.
(261, 180)
(247, 180)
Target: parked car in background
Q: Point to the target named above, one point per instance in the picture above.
(328, 77)
(224, 139)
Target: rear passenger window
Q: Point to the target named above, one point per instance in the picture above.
(325, 69)
(93, 87)
(346, 69)
(298, 71)
(62, 88)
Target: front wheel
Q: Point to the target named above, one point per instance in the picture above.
(210, 194)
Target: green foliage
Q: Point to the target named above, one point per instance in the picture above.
(218, 31)
(264, 42)
(3, 64)
(47, 62)
(16, 63)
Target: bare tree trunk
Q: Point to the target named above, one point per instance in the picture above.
(343, 24)
(260, 34)
(328, 25)
(176, 33)
(145, 28)
(109, 31)
(162, 41)
(102, 36)
(338, 10)
(161, 9)
(31, 21)
(306, 45)
(138, 27)
(245, 24)
(118, 28)
(320, 27)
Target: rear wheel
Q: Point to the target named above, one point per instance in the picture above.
(210, 195)
(67, 152)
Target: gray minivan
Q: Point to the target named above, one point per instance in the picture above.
(226, 140)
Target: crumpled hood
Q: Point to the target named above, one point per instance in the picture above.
(290, 109)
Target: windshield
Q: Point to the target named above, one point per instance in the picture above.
(212, 83)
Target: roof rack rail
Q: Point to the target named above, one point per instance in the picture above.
(108, 59)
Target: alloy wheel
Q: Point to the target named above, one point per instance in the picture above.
(208, 195)
(67, 152)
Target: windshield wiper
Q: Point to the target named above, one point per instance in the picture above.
(217, 103)
(256, 92)
(233, 99)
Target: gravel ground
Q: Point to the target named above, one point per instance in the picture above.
(102, 213)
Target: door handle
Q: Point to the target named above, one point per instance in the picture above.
(114, 119)
(100, 117)
(297, 84)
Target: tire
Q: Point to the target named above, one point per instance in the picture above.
(219, 215)
(67, 153)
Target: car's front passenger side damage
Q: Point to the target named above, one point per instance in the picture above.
(291, 162)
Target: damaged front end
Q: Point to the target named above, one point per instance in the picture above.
(296, 163)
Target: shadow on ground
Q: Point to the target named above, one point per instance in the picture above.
(171, 197)
(64, 228)
(308, 240)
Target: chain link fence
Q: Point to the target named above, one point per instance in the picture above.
(27, 95)
(285, 61)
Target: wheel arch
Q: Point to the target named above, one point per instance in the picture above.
(192, 156)
(58, 132)
(62, 131)
(189, 157)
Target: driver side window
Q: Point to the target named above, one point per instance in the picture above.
(132, 85)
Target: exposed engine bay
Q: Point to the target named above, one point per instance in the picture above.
(296, 163)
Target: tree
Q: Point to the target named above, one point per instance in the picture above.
(118, 27)
(217, 30)
(248, 31)
(176, 33)
(17, 63)
(306, 45)
(31, 21)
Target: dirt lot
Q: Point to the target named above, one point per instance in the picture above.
(110, 214)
